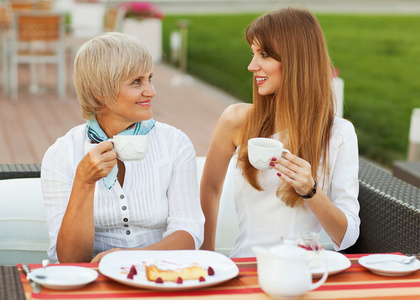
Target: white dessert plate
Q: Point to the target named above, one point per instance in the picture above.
(336, 262)
(64, 277)
(389, 267)
(116, 265)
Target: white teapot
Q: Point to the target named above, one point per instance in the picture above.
(283, 271)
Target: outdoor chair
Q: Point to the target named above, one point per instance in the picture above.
(7, 8)
(45, 4)
(414, 136)
(23, 226)
(409, 170)
(22, 4)
(5, 23)
(114, 16)
(86, 22)
(227, 221)
(389, 213)
(10, 171)
(38, 38)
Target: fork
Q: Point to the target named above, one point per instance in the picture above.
(405, 261)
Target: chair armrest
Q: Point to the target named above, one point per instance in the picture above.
(408, 171)
(389, 213)
(20, 171)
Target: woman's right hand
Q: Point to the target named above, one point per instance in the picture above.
(97, 163)
(75, 240)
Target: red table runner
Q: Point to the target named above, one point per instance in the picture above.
(354, 283)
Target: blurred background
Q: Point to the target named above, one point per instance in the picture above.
(201, 60)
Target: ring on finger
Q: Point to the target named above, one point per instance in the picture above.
(293, 177)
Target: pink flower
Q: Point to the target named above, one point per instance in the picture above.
(141, 9)
(141, 6)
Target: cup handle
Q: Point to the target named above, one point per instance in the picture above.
(324, 276)
(113, 145)
(280, 153)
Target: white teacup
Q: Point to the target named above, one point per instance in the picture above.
(130, 147)
(261, 150)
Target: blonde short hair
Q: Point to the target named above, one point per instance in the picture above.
(102, 65)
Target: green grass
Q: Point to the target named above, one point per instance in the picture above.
(378, 56)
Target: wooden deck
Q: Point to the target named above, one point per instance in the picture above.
(29, 126)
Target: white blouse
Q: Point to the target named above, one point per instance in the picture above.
(159, 195)
(264, 219)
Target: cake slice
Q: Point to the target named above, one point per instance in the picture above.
(171, 273)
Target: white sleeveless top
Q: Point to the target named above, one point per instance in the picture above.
(264, 219)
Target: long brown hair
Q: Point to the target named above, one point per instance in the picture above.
(303, 105)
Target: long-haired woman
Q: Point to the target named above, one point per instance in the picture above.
(316, 185)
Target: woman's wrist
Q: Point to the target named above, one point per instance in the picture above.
(311, 192)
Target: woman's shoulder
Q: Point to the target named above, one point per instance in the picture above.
(171, 140)
(166, 129)
(342, 126)
(74, 135)
(168, 132)
(235, 115)
(68, 144)
(343, 132)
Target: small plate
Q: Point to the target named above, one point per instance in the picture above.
(64, 277)
(116, 265)
(390, 268)
(336, 262)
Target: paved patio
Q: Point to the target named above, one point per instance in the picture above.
(30, 126)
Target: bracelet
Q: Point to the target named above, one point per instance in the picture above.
(311, 193)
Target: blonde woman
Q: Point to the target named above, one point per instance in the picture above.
(95, 203)
(314, 187)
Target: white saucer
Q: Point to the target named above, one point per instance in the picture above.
(64, 277)
(336, 262)
(388, 268)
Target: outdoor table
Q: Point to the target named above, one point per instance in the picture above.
(353, 283)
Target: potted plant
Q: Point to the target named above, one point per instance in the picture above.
(141, 10)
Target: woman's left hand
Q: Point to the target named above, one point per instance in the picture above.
(294, 171)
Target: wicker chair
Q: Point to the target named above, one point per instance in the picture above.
(389, 210)
(20, 171)
(389, 213)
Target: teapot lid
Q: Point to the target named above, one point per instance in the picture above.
(288, 249)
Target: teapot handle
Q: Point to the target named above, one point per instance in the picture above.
(324, 276)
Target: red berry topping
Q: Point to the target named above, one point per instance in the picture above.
(201, 279)
(133, 270)
(210, 271)
(159, 280)
(179, 280)
(130, 276)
